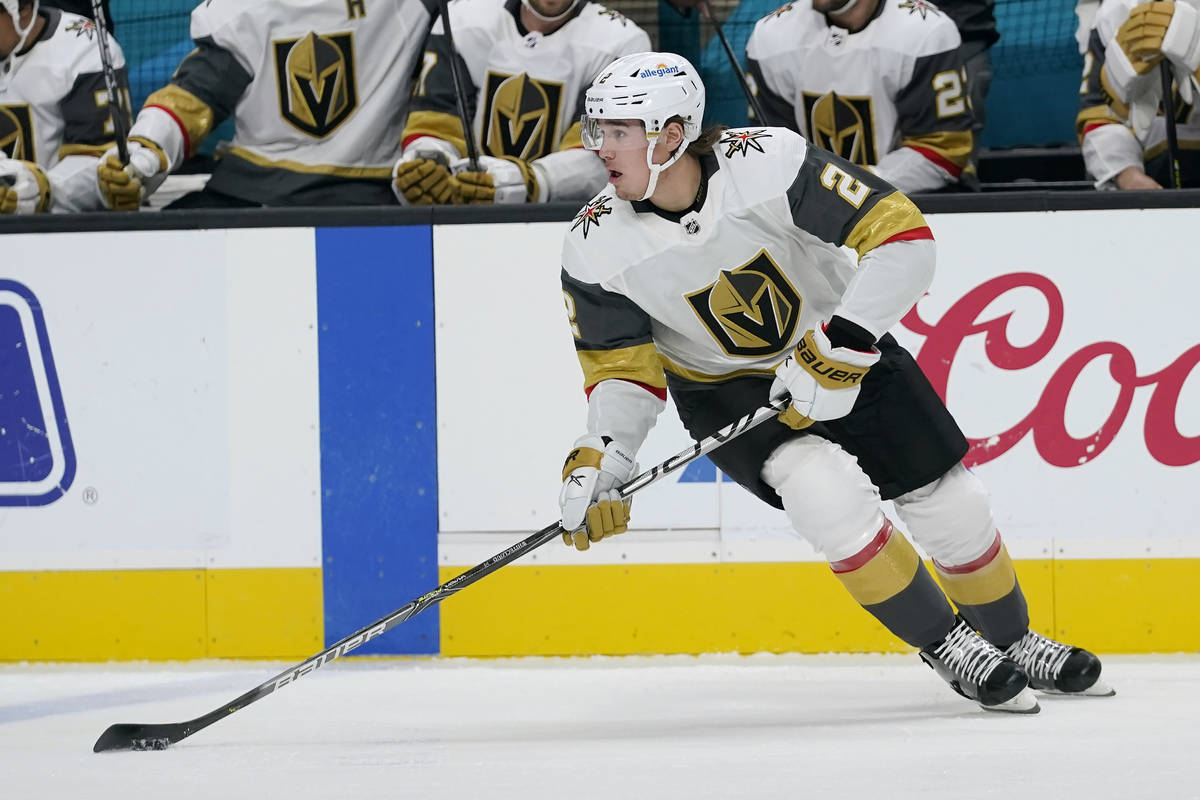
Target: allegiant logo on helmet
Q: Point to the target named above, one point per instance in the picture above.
(658, 71)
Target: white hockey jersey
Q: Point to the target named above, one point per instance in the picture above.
(880, 96)
(318, 90)
(54, 111)
(525, 89)
(1109, 141)
(728, 288)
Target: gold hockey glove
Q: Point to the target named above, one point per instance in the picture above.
(423, 182)
(823, 380)
(592, 508)
(499, 180)
(24, 187)
(123, 187)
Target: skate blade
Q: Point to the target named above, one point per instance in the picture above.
(1024, 703)
(1100, 688)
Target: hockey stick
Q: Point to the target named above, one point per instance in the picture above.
(733, 62)
(460, 88)
(130, 736)
(1168, 100)
(115, 105)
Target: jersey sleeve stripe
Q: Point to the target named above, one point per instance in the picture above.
(950, 150)
(913, 235)
(637, 364)
(661, 394)
(437, 124)
(893, 216)
(193, 116)
(1093, 117)
(95, 150)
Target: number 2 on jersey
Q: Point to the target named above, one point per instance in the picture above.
(849, 187)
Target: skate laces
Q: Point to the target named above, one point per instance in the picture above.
(1041, 657)
(968, 654)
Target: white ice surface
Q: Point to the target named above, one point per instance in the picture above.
(872, 727)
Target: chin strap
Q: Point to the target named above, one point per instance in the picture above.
(557, 17)
(849, 5)
(656, 169)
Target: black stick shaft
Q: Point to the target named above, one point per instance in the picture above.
(116, 102)
(1168, 100)
(125, 736)
(733, 62)
(460, 88)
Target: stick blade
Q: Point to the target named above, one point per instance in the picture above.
(129, 736)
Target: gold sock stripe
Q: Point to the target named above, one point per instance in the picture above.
(885, 574)
(987, 584)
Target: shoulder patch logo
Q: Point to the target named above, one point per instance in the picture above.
(82, 27)
(779, 12)
(591, 214)
(743, 142)
(922, 7)
(614, 15)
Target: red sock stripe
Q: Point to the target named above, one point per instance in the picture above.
(978, 563)
(867, 553)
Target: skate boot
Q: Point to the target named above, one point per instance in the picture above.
(978, 671)
(1058, 668)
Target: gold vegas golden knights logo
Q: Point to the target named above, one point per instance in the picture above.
(752, 310)
(842, 125)
(316, 81)
(16, 132)
(520, 115)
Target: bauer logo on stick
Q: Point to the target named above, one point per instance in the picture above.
(37, 460)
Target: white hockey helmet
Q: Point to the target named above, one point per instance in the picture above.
(653, 88)
(9, 65)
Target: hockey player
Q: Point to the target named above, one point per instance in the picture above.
(526, 64)
(54, 114)
(1121, 128)
(878, 82)
(318, 90)
(711, 267)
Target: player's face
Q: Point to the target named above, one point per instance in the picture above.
(622, 148)
(550, 8)
(9, 38)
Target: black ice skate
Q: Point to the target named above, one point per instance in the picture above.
(977, 670)
(1058, 668)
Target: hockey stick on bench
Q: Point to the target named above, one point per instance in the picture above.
(132, 736)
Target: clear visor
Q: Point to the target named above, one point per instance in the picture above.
(613, 134)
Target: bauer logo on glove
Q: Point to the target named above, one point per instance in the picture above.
(823, 380)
